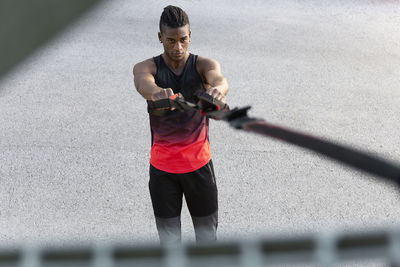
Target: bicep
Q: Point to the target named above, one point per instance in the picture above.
(212, 71)
(142, 76)
(143, 79)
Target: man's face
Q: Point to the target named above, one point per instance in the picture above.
(175, 41)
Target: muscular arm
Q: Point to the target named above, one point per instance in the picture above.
(211, 72)
(145, 84)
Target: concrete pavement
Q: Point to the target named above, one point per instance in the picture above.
(75, 139)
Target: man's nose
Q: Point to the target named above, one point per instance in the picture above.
(178, 46)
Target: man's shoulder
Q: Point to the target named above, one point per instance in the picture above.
(147, 65)
(205, 60)
(204, 63)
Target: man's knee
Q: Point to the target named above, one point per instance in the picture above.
(169, 229)
(206, 227)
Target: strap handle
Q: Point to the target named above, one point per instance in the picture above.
(211, 107)
(164, 106)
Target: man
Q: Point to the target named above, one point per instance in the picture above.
(180, 161)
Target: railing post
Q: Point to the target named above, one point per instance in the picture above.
(175, 255)
(251, 253)
(326, 249)
(102, 256)
(30, 257)
(394, 250)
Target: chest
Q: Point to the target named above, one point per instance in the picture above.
(188, 83)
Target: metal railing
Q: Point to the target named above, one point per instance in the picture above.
(326, 249)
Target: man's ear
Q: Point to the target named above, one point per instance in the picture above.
(159, 37)
(190, 34)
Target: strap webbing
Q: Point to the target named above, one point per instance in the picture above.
(238, 119)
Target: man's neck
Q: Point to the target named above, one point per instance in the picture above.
(175, 66)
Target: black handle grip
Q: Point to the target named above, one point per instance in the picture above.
(209, 103)
(158, 104)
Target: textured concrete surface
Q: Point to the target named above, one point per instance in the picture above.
(75, 140)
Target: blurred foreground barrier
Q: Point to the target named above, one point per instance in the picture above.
(26, 24)
(327, 249)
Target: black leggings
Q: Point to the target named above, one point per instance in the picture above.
(200, 190)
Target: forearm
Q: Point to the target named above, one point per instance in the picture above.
(145, 84)
(143, 77)
(148, 90)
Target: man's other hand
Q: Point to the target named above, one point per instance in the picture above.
(216, 94)
(162, 94)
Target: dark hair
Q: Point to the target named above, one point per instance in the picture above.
(173, 17)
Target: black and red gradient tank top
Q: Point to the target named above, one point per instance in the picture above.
(180, 139)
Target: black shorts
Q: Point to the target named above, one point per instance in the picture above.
(199, 188)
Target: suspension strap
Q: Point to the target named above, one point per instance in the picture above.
(239, 119)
